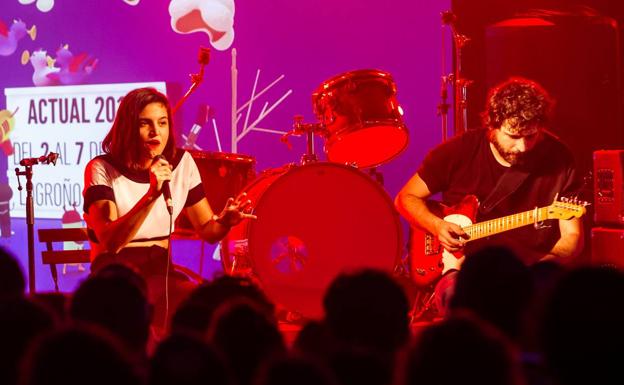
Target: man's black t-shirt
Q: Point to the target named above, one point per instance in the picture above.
(465, 165)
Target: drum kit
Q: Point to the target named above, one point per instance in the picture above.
(318, 218)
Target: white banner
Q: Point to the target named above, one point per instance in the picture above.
(69, 120)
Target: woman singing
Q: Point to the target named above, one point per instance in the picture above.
(126, 215)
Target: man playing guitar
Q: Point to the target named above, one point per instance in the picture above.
(513, 167)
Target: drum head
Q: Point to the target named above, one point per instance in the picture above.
(314, 222)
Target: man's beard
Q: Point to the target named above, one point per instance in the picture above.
(514, 158)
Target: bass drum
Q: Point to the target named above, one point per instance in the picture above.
(314, 222)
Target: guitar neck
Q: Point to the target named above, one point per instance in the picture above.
(510, 222)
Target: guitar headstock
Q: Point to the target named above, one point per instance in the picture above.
(566, 208)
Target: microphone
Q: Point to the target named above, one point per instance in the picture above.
(44, 159)
(166, 190)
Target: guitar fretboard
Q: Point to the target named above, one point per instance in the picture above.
(510, 222)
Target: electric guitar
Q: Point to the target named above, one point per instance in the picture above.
(426, 252)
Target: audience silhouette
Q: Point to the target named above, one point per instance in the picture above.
(507, 324)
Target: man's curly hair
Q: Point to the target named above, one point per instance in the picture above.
(524, 102)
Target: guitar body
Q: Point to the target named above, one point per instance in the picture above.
(426, 252)
(428, 257)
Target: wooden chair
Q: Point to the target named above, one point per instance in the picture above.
(53, 257)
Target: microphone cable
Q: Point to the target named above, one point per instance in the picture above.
(169, 246)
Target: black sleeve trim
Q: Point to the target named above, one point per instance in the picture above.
(96, 193)
(195, 195)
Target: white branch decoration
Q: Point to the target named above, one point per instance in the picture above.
(264, 112)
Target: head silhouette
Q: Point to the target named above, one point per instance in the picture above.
(21, 321)
(246, 336)
(78, 355)
(195, 313)
(367, 309)
(182, 359)
(496, 286)
(11, 277)
(582, 334)
(117, 305)
(460, 350)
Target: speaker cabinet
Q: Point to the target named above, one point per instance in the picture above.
(609, 187)
(607, 247)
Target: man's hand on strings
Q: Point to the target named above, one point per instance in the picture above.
(235, 210)
(451, 236)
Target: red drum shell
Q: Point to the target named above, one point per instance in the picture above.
(223, 175)
(362, 116)
(314, 222)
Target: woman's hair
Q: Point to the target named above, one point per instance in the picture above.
(122, 141)
(523, 101)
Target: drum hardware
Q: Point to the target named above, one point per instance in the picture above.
(240, 259)
(204, 114)
(376, 175)
(309, 129)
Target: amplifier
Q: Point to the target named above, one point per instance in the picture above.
(609, 187)
(607, 247)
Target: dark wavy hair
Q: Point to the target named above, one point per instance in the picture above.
(523, 101)
(122, 141)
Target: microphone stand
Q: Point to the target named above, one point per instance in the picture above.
(203, 57)
(30, 208)
(445, 79)
(461, 84)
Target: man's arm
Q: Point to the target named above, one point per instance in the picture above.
(411, 204)
(570, 244)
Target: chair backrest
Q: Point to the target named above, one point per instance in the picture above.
(50, 236)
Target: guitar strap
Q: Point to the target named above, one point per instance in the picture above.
(509, 182)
